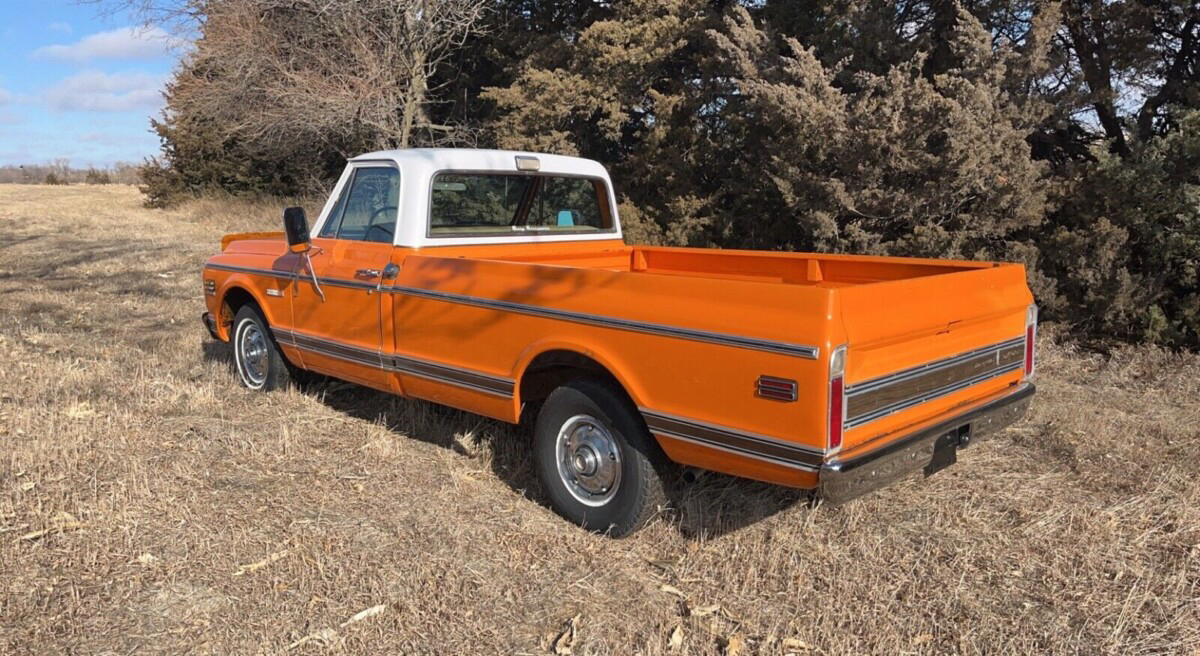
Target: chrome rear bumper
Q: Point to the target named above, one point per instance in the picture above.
(930, 448)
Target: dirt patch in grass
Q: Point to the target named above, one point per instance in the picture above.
(172, 511)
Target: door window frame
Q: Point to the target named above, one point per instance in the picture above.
(340, 195)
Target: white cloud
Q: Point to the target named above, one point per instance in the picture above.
(121, 43)
(65, 28)
(94, 91)
(5, 97)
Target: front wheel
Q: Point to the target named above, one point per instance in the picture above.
(260, 365)
(596, 459)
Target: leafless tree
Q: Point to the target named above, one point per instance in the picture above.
(274, 73)
(276, 70)
(180, 17)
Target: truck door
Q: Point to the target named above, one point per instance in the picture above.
(337, 318)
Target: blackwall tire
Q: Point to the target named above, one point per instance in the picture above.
(598, 463)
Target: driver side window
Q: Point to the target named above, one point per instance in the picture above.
(367, 209)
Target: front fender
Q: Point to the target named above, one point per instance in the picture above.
(233, 285)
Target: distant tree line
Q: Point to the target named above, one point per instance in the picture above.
(60, 172)
(1062, 134)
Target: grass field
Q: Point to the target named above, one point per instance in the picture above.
(148, 504)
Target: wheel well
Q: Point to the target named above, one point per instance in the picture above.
(235, 299)
(552, 369)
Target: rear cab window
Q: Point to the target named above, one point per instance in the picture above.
(495, 204)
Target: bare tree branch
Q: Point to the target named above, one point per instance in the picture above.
(346, 73)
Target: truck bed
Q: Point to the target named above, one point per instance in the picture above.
(825, 271)
(894, 315)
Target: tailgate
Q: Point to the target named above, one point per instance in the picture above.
(921, 346)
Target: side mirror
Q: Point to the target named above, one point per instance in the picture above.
(295, 226)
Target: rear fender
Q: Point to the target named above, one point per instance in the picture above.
(612, 364)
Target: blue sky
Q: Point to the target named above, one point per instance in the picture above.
(77, 85)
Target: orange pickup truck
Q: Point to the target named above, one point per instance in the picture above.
(498, 282)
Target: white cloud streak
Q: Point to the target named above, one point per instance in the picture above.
(94, 91)
(65, 28)
(121, 43)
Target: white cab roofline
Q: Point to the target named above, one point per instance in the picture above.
(418, 166)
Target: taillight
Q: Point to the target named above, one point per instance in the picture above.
(1031, 316)
(837, 397)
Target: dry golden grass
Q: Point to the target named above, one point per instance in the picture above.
(148, 504)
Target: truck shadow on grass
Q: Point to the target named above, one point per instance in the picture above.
(705, 506)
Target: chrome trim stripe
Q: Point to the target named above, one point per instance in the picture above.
(475, 380)
(784, 348)
(336, 282)
(738, 452)
(289, 275)
(332, 348)
(350, 284)
(738, 341)
(911, 372)
(435, 371)
(917, 400)
(753, 445)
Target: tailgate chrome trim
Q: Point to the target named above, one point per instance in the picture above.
(929, 366)
(879, 397)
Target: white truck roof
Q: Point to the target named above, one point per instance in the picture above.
(418, 166)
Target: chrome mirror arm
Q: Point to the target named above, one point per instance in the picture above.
(313, 274)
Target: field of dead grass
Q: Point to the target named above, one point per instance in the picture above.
(150, 505)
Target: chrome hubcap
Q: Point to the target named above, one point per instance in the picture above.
(589, 460)
(252, 353)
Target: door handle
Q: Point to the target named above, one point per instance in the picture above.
(367, 273)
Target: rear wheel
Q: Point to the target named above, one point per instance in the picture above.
(259, 363)
(596, 459)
